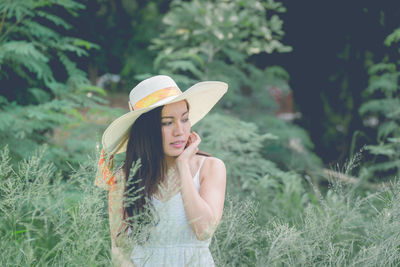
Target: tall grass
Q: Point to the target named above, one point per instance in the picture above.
(342, 230)
(45, 221)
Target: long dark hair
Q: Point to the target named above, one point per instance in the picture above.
(145, 143)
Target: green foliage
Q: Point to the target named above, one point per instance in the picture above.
(394, 37)
(41, 86)
(293, 149)
(285, 144)
(213, 40)
(137, 58)
(249, 174)
(123, 29)
(29, 32)
(45, 221)
(383, 104)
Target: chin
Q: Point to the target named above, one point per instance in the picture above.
(174, 154)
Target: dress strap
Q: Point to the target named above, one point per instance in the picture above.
(201, 163)
(197, 175)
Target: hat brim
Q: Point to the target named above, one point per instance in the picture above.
(201, 98)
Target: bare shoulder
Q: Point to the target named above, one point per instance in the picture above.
(213, 168)
(213, 162)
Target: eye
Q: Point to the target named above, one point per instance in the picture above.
(185, 119)
(166, 123)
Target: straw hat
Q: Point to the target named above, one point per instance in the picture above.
(158, 91)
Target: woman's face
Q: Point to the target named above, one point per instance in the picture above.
(175, 127)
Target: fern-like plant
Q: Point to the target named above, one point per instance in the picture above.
(383, 105)
(41, 87)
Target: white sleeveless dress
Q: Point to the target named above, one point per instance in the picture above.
(172, 242)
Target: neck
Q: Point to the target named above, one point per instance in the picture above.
(170, 162)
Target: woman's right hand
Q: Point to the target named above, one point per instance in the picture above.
(192, 147)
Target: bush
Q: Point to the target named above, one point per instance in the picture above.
(42, 91)
(240, 145)
(213, 40)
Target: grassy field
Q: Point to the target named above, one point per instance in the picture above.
(49, 221)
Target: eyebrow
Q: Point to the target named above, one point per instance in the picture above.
(171, 117)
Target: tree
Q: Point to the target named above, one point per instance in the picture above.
(41, 87)
(215, 39)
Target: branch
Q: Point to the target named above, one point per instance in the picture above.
(2, 21)
(11, 28)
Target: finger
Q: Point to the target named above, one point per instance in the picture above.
(191, 138)
(198, 139)
(196, 135)
(188, 142)
(195, 140)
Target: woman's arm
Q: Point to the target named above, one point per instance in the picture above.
(204, 208)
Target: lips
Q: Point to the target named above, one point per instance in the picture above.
(178, 144)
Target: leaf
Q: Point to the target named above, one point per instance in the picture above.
(22, 48)
(379, 106)
(184, 65)
(388, 128)
(85, 44)
(38, 30)
(384, 83)
(58, 21)
(20, 231)
(92, 88)
(394, 140)
(381, 67)
(17, 9)
(394, 37)
(270, 136)
(381, 149)
(75, 113)
(385, 166)
(40, 95)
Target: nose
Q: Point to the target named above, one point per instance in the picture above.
(178, 129)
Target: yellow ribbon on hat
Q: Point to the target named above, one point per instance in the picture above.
(156, 96)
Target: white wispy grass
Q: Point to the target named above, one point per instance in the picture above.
(46, 220)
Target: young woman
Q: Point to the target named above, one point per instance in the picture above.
(177, 192)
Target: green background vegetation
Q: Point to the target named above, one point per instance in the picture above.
(317, 186)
